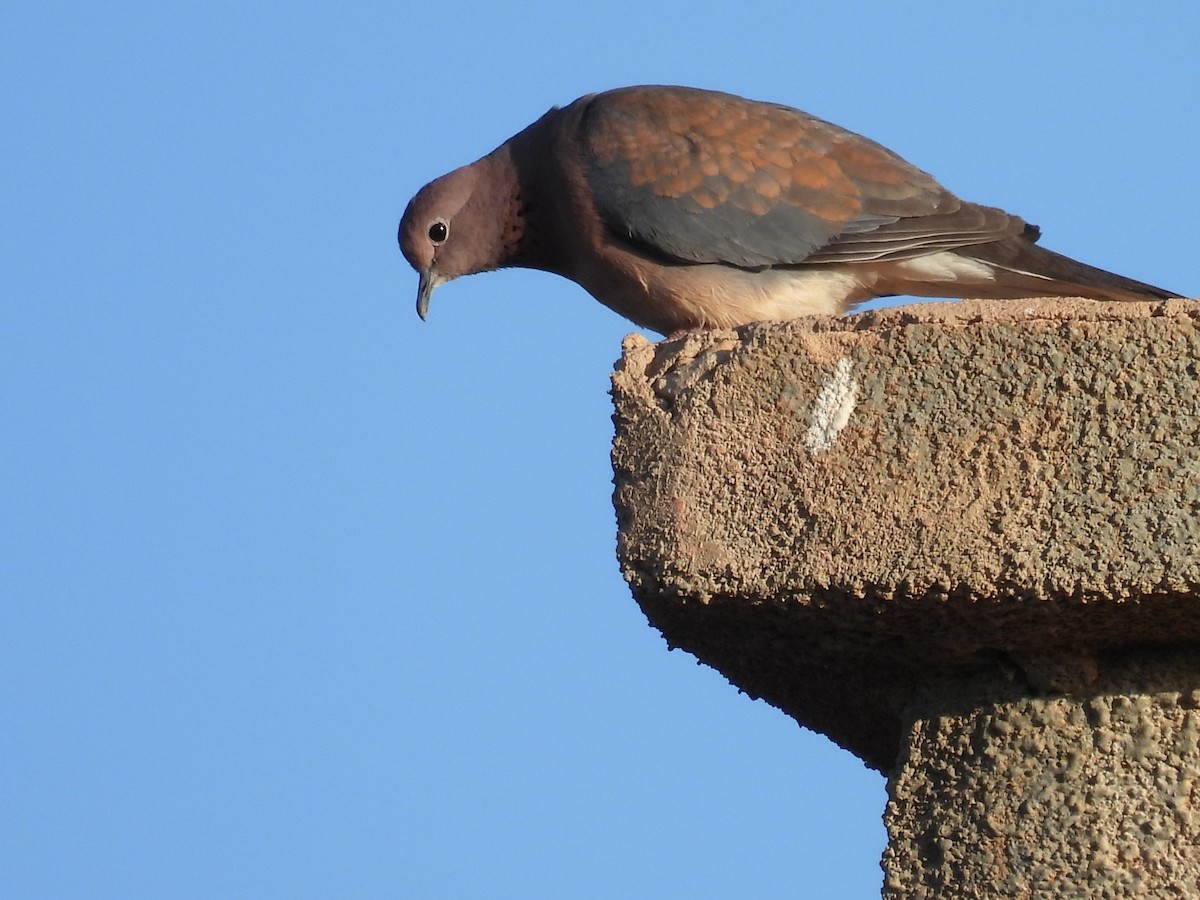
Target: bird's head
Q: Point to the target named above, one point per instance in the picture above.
(452, 227)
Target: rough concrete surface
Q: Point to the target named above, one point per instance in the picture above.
(1001, 794)
(850, 517)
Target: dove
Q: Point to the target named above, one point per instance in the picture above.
(684, 209)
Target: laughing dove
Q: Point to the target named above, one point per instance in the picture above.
(683, 209)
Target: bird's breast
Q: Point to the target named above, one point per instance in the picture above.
(669, 298)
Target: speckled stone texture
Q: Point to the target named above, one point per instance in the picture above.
(1094, 793)
(961, 541)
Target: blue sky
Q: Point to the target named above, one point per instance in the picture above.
(302, 597)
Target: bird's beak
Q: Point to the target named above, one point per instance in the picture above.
(429, 281)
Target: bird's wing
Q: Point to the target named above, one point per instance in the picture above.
(702, 177)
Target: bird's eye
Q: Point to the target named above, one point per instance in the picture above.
(439, 231)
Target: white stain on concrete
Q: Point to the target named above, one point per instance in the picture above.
(831, 412)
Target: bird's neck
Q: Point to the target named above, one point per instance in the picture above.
(524, 183)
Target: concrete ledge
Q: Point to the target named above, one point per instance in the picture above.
(858, 519)
(823, 509)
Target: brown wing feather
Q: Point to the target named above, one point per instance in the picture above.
(963, 225)
(708, 177)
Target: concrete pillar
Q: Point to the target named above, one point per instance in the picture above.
(961, 540)
(1092, 792)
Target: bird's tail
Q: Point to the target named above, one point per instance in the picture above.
(1028, 270)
